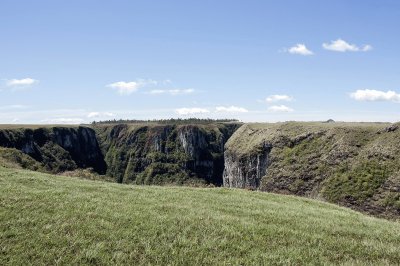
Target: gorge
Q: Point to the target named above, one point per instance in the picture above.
(355, 165)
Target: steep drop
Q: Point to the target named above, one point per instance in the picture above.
(160, 154)
(57, 149)
(352, 164)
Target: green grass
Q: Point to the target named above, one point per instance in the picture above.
(50, 220)
(351, 164)
(257, 133)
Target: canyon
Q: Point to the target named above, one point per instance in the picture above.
(356, 165)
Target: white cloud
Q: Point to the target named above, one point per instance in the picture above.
(231, 109)
(128, 87)
(155, 92)
(99, 114)
(280, 109)
(300, 49)
(342, 46)
(21, 82)
(14, 107)
(366, 48)
(191, 111)
(178, 91)
(278, 97)
(375, 95)
(63, 121)
(172, 91)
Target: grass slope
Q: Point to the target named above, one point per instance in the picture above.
(356, 165)
(46, 219)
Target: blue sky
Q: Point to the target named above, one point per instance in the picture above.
(79, 61)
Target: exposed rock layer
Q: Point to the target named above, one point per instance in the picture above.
(353, 164)
(57, 148)
(140, 153)
(158, 154)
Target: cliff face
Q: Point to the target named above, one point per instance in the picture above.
(159, 154)
(245, 171)
(355, 165)
(146, 153)
(57, 149)
(352, 164)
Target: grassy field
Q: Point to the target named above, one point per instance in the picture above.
(57, 220)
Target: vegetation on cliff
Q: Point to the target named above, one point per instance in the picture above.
(173, 151)
(352, 164)
(47, 220)
(55, 149)
(152, 153)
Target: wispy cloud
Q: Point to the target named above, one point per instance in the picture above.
(280, 109)
(375, 95)
(278, 97)
(172, 91)
(300, 49)
(129, 87)
(191, 111)
(340, 45)
(99, 114)
(14, 107)
(63, 121)
(21, 82)
(231, 109)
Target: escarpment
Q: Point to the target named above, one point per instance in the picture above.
(245, 171)
(160, 154)
(352, 164)
(355, 165)
(55, 149)
(141, 153)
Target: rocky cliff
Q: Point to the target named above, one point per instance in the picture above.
(353, 164)
(245, 171)
(159, 154)
(141, 153)
(55, 149)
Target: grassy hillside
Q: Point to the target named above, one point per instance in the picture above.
(46, 219)
(351, 164)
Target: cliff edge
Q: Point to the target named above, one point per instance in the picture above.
(352, 164)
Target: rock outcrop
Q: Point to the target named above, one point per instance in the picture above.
(142, 153)
(159, 154)
(356, 165)
(245, 171)
(352, 164)
(57, 148)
